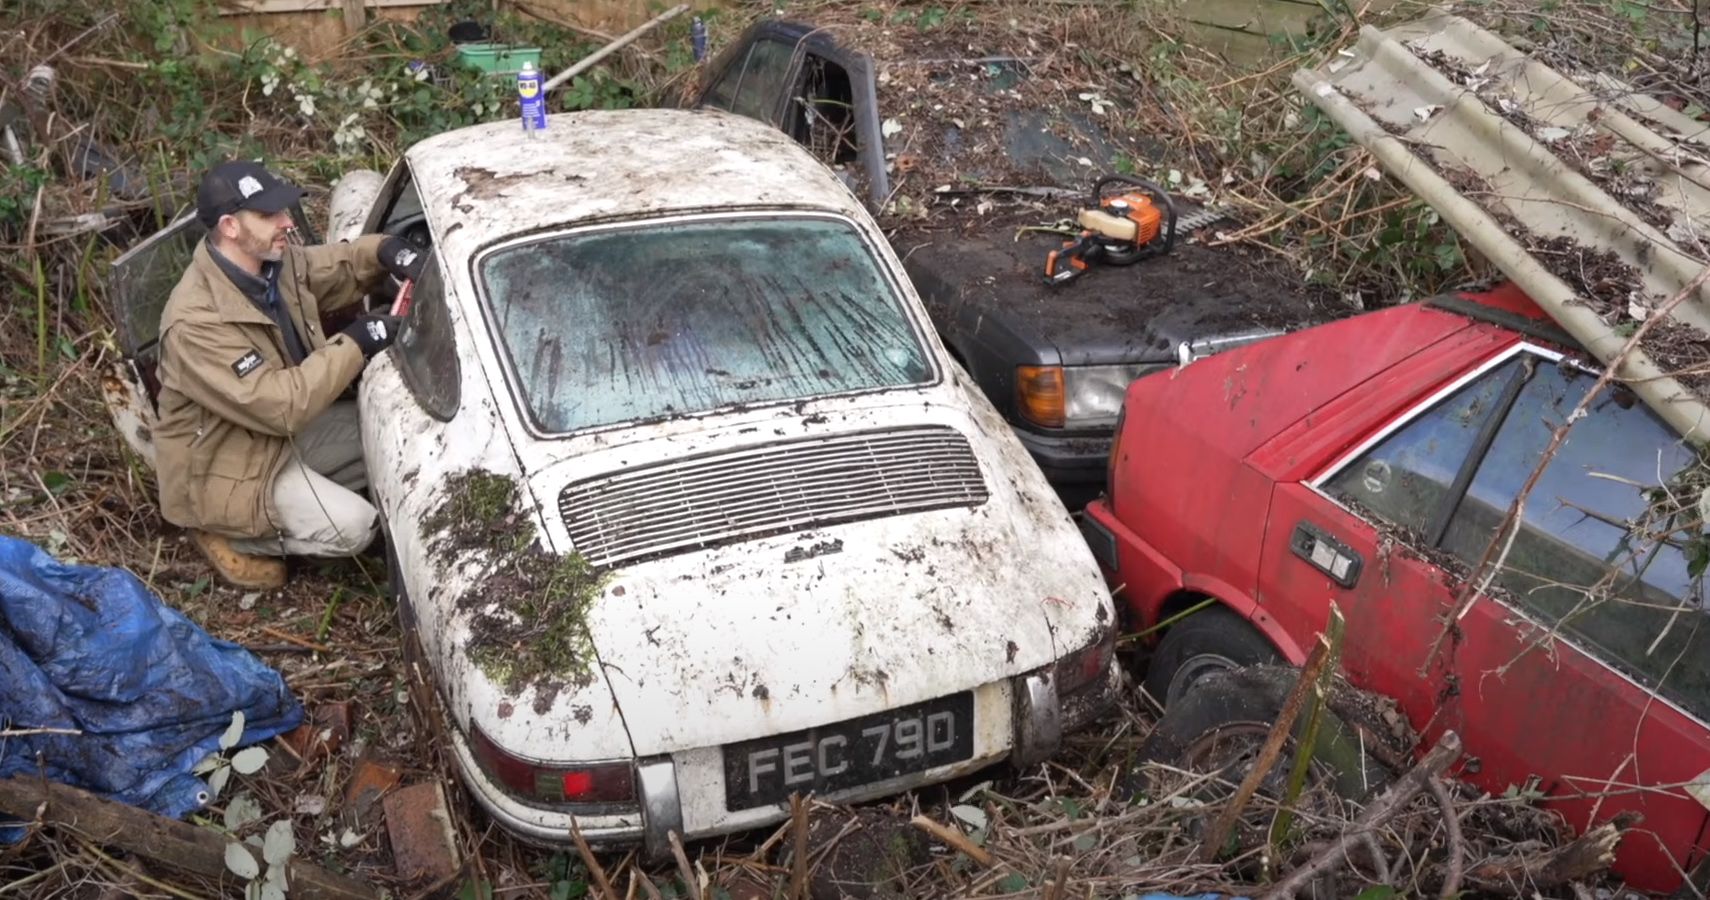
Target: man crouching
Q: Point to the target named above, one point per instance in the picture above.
(257, 455)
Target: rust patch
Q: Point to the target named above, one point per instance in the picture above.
(583, 714)
(1010, 650)
(506, 707)
(761, 692)
(545, 692)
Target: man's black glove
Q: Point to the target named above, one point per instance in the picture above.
(373, 333)
(402, 258)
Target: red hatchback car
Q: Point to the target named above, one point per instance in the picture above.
(1335, 464)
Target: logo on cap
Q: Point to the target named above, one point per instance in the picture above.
(248, 186)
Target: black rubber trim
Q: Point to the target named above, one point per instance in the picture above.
(1480, 449)
(1530, 327)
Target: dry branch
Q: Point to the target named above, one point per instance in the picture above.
(176, 844)
(1218, 833)
(1391, 802)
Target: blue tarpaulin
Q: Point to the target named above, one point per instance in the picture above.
(91, 650)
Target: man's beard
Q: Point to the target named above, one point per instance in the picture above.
(259, 246)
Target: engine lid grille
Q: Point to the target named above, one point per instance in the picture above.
(691, 504)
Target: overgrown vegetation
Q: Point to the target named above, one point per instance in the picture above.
(528, 611)
(167, 87)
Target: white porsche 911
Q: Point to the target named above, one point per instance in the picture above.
(689, 509)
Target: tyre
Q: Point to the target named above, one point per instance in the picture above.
(1215, 639)
(1218, 725)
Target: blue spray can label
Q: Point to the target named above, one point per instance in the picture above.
(698, 38)
(533, 99)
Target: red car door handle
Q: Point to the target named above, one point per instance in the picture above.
(1326, 554)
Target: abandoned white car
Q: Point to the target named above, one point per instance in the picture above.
(689, 510)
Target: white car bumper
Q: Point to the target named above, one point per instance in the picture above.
(1020, 720)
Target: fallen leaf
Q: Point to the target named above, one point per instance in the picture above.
(234, 732)
(250, 761)
(890, 128)
(974, 816)
(279, 844)
(242, 810)
(241, 863)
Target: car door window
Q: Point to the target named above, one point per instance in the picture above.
(1625, 593)
(1405, 479)
(752, 88)
(427, 349)
(398, 209)
(822, 111)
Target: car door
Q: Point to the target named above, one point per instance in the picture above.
(1542, 674)
(823, 96)
(138, 285)
(752, 79)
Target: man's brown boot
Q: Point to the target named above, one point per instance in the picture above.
(260, 573)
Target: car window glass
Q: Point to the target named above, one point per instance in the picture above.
(757, 310)
(723, 91)
(427, 349)
(766, 74)
(1405, 478)
(403, 216)
(1575, 561)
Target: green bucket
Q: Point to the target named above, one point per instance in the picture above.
(498, 59)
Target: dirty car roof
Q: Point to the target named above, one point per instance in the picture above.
(488, 181)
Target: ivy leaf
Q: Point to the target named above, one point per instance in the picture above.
(1012, 883)
(279, 844)
(240, 862)
(1376, 892)
(250, 761)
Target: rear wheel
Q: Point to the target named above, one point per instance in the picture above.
(1218, 726)
(1215, 639)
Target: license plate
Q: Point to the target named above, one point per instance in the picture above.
(848, 754)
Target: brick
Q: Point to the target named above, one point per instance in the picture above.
(370, 780)
(418, 822)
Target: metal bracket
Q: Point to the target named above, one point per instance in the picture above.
(661, 808)
(1038, 719)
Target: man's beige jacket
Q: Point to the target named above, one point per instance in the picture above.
(230, 400)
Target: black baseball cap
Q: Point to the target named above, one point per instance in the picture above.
(240, 184)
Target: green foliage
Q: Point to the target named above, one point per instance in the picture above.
(566, 876)
(18, 185)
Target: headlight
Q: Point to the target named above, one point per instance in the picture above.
(1074, 396)
(1093, 394)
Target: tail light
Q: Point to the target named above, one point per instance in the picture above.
(600, 783)
(1039, 396)
(1086, 665)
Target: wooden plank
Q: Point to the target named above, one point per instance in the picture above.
(249, 7)
(1261, 17)
(178, 844)
(355, 16)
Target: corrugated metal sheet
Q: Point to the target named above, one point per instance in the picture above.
(1595, 201)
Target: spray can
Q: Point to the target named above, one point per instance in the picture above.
(533, 100)
(698, 38)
